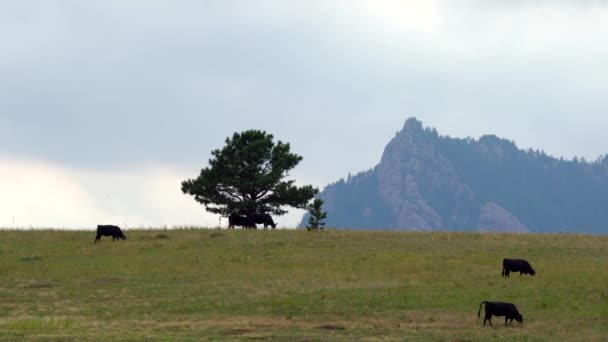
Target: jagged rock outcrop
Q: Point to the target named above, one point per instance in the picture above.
(494, 218)
(425, 181)
(415, 181)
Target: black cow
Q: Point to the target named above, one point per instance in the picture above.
(500, 309)
(109, 230)
(262, 218)
(516, 265)
(239, 220)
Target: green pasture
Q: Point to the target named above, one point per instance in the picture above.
(278, 285)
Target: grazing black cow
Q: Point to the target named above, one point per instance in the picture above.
(239, 220)
(109, 230)
(516, 265)
(262, 218)
(500, 309)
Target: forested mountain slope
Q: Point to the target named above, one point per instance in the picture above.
(426, 181)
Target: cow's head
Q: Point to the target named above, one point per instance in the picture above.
(519, 318)
(123, 236)
(531, 271)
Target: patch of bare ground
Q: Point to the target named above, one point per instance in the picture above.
(102, 281)
(34, 284)
(231, 325)
(414, 320)
(248, 324)
(331, 327)
(237, 331)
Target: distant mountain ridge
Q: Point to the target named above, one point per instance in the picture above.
(427, 182)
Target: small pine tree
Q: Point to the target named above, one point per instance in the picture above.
(317, 216)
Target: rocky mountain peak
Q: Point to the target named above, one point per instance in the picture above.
(425, 181)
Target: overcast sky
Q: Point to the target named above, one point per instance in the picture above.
(106, 106)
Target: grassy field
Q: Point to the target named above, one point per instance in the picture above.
(180, 285)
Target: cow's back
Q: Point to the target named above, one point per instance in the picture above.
(501, 308)
(106, 226)
(238, 220)
(513, 265)
(517, 265)
(109, 230)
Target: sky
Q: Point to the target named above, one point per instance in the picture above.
(106, 106)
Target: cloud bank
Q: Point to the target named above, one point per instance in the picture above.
(116, 86)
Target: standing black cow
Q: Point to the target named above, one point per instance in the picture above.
(500, 309)
(109, 230)
(262, 218)
(516, 265)
(239, 220)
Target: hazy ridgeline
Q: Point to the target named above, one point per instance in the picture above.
(295, 285)
(426, 181)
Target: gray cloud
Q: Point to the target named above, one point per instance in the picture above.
(124, 83)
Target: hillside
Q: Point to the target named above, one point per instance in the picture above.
(426, 181)
(193, 285)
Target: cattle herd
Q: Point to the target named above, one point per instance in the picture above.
(250, 221)
(508, 310)
(499, 309)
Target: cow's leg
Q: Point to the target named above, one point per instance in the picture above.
(506, 319)
(486, 319)
(98, 238)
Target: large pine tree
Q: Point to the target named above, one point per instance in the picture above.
(248, 175)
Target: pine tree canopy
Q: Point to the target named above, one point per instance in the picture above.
(249, 175)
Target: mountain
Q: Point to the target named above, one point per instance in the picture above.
(426, 181)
